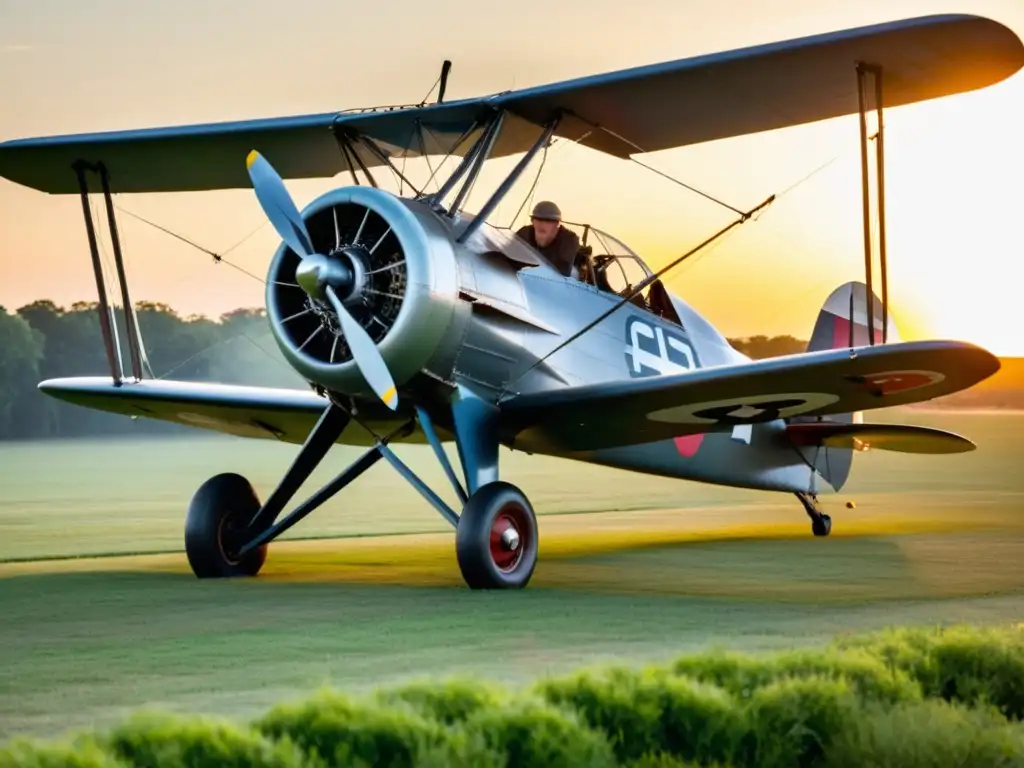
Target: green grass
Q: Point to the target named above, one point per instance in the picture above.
(109, 496)
(939, 540)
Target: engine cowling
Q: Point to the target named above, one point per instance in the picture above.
(401, 286)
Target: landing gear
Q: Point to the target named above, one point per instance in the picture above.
(227, 530)
(821, 524)
(496, 540)
(215, 526)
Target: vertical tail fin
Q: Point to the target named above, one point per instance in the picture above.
(843, 322)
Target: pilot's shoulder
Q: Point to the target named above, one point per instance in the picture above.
(569, 236)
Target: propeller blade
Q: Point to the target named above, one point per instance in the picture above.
(278, 205)
(366, 354)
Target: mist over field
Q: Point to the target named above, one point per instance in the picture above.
(42, 340)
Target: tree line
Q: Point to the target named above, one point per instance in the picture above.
(42, 340)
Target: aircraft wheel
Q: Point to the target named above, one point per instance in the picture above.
(496, 541)
(821, 525)
(219, 510)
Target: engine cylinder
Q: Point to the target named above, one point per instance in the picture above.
(400, 283)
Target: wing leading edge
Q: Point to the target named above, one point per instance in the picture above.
(642, 109)
(633, 411)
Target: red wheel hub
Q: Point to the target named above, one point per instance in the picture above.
(508, 537)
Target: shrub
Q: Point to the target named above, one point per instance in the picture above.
(532, 734)
(85, 753)
(928, 734)
(652, 713)
(961, 664)
(149, 741)
(450, 702)
(668, 761)
(338, 731)
(741, 675)
(793, 721)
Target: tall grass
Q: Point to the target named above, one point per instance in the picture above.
(898, 698)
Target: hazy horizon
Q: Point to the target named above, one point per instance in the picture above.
(951, 225)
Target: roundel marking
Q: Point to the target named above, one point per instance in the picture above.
(754, 409)
(891, 382)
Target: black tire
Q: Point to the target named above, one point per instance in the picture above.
(487, 514)
(822, 525)
(222, 504)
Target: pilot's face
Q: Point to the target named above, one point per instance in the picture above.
(544, 231)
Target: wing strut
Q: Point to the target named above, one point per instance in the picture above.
(864, 69)
(107, 325)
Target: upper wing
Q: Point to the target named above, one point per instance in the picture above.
(780, 84)
(212, 155)
(628, 412)
(642, 109)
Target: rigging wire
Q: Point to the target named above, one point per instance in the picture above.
(529, 194)
(682, 184)
(219, 259)
(555, 145)
(641, 150)
(436, 83)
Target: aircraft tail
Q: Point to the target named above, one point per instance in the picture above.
(842, 323)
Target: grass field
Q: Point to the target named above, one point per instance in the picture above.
(632, 568)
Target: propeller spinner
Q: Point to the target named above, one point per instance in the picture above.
(318, 275)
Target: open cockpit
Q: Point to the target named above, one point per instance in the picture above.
(612, 267)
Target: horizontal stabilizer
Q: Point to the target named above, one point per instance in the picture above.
(642, 109)
(632, 411)
(902, 438)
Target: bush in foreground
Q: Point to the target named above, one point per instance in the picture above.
(912, 698)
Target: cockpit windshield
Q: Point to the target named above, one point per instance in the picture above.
(603, 261)
(614, 266)
(611, 266)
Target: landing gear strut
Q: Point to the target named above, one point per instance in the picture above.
(821, 524)
(227, 529)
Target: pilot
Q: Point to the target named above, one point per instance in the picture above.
(545, 232)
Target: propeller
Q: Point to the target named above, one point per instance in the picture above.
(316, 271)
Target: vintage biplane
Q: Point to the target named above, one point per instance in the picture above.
(415, 321)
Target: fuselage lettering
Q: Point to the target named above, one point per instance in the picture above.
(653, 351)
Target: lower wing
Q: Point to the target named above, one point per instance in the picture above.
(280, 414)
(633, 411)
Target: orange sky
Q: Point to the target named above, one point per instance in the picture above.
(953, 166)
